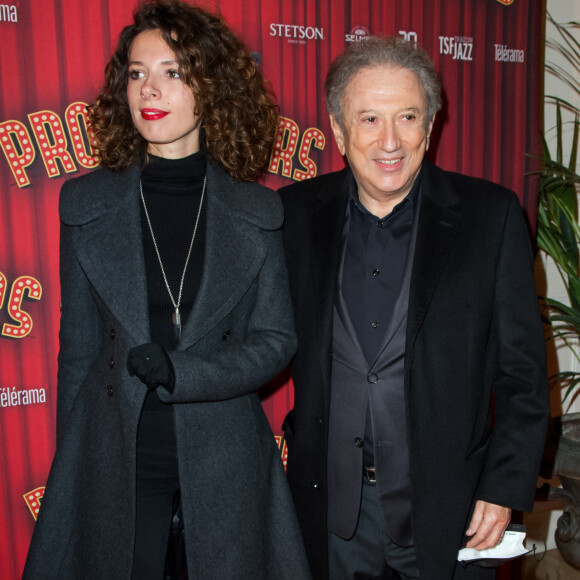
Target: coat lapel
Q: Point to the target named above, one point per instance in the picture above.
(340, 302)
(326, 225)
(326, 222)
(400, 309)
(439, 221)
(234, 253)
(111, 253)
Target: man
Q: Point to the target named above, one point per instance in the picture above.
(421, 399)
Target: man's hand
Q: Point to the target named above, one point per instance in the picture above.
(488, 523)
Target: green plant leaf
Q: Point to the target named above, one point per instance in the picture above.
(558, 232)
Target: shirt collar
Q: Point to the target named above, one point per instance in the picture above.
(411, 198)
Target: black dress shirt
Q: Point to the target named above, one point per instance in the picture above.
(374, 261)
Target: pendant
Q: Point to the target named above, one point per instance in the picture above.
(176, 320)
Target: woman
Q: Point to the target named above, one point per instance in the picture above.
(175, 310)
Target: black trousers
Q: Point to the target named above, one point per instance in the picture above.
(157, 491)
(370, 554)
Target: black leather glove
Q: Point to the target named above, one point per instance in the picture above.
(152, 365)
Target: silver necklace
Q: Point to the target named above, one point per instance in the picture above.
(176, 316)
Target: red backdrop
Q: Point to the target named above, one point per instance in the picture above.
(52, 56)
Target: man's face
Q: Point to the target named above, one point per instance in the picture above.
(386, 133)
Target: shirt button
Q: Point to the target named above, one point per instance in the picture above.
(110, 390)
(375, 324)
(226, 334)
(111, 362)
(315, 485)
(380, 223)
(319, 420)
(372, 378)
(376, 272)
(358, 442)
(112, 334)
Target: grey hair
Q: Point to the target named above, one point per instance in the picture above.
(378, 51)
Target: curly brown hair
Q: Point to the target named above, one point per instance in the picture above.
(238, 116)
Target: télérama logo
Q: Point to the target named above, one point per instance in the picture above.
(8, 13)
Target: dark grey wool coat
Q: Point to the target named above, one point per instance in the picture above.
(238, 515)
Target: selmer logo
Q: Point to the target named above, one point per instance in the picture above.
(295, 33)
(8, 13)
(356, 34)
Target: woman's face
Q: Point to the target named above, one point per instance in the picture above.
(161, 104)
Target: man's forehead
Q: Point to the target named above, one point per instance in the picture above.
(385, 70)
(382, 85)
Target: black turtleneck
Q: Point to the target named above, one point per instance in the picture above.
(172, 191)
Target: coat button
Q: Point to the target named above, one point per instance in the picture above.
(372, 378)
(226, 334)
(112, 334)
(315, 485)
(111, 362)
(358, 442)
(110, 390)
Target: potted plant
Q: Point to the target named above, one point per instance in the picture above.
(558, 235)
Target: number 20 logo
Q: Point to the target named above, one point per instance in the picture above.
(409, 36)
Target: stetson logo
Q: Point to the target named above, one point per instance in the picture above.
(33, 500)
(506, 2)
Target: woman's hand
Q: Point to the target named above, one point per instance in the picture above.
(152, 366)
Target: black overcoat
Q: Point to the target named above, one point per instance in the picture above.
(238, 515)
(473, 334)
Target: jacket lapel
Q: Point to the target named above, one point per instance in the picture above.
(111, 253)
(340, 302)
(326, 225)
(234, 253)
(439, 221)
(400, 309)
(326, 222)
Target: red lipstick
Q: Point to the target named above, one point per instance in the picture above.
(153, 114)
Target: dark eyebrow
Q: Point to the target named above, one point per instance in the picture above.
(164, 62)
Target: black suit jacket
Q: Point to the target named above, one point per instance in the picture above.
(473, 334)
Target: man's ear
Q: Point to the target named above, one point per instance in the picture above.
(429, 130)
(338, 134)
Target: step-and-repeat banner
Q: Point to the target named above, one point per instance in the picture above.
(52, 56)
